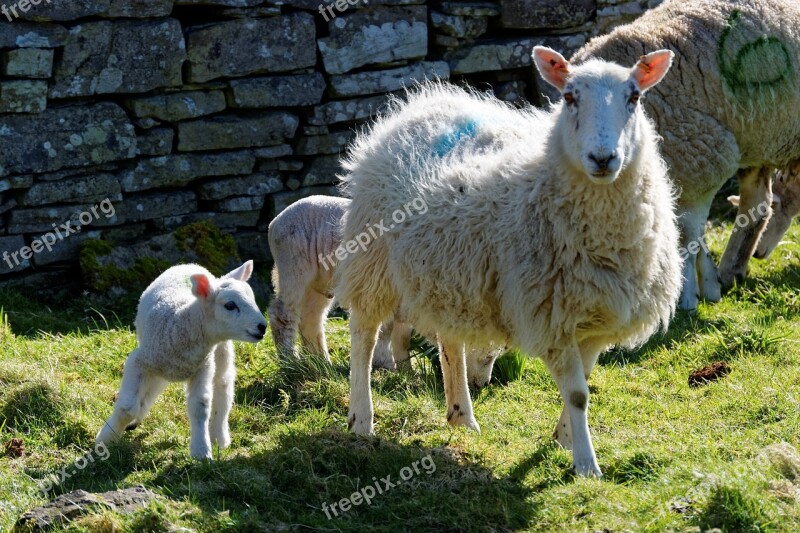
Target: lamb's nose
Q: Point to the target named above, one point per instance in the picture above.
(603, 161)
(262, 328)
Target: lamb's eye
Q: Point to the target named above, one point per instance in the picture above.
(634, 98)
(569, 98)
(231, 306)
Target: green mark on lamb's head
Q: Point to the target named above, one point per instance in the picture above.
(750, 64)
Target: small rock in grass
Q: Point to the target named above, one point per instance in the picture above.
(709, 373)
(784, 458)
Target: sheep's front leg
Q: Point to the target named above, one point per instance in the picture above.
(224, 378)
(567, 370)
(755, 197)
(362, 341)
(198, 403)
(590, 351)
(456, 387)
(137, 393)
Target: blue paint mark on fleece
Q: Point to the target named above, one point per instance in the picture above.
(444, 144)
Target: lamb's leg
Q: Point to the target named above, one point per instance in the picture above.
(567, 370)
(382, 354)
(363, 333)
(138, 391)
(224, 378)
(312, 323)
(755, 197)
(198, 403)
(456, 387)
(284, 320)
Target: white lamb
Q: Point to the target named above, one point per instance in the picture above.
(553, 232)
(731, 106)
(185, 323)
(303, 240)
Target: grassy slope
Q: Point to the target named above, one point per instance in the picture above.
(674, 457)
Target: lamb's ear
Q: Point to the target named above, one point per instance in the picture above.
(734, 200)
(201, 286)
(552, 66)
(651, 68)
(242, 273)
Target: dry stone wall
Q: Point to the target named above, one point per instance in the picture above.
(128, 119)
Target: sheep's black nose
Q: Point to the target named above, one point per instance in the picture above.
(602, 162)
(262, 328)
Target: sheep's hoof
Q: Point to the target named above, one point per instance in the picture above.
(458, 417)
(562, 436)
(131, 427)
(587, 468)
(358, 425)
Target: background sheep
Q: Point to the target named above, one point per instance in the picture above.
(303, 240)
(185, 322)
(732, 106)
(785, 206)
(553, 232)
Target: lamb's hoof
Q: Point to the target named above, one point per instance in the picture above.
(201, 453)
(458, 417)
(587, 468)
(223, 441)
(360, 425)
(131, 427)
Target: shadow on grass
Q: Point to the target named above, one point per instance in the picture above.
(683, 326)
(285, 488)
(30, 314)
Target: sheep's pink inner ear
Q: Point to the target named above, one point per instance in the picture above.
(552, 66)
(201, 285)
(651, 68)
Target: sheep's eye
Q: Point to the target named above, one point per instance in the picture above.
(569, 98)
(231, 306)
(634, 98)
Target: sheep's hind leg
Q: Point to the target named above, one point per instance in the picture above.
(363, 334)
(198, 403)
(692, 220)
(137, 393)
(312, 323)
(456, 387)
(284, 321)
(567, 369)
(755, 197)
(224, 378)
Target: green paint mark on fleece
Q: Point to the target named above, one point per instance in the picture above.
(444, 144)
(759, 64)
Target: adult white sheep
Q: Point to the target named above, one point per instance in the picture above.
(785, 206)
(733, 104)
(185, 322)
(552, 232)
(304, 239)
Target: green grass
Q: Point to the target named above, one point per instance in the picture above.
(674, 457)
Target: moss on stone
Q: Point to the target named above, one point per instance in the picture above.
(102, 278)
(215, 250)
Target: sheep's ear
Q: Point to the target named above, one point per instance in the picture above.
(201, 286)
(552, 66)
(734, 200)
(651, 68)
(242, 273)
